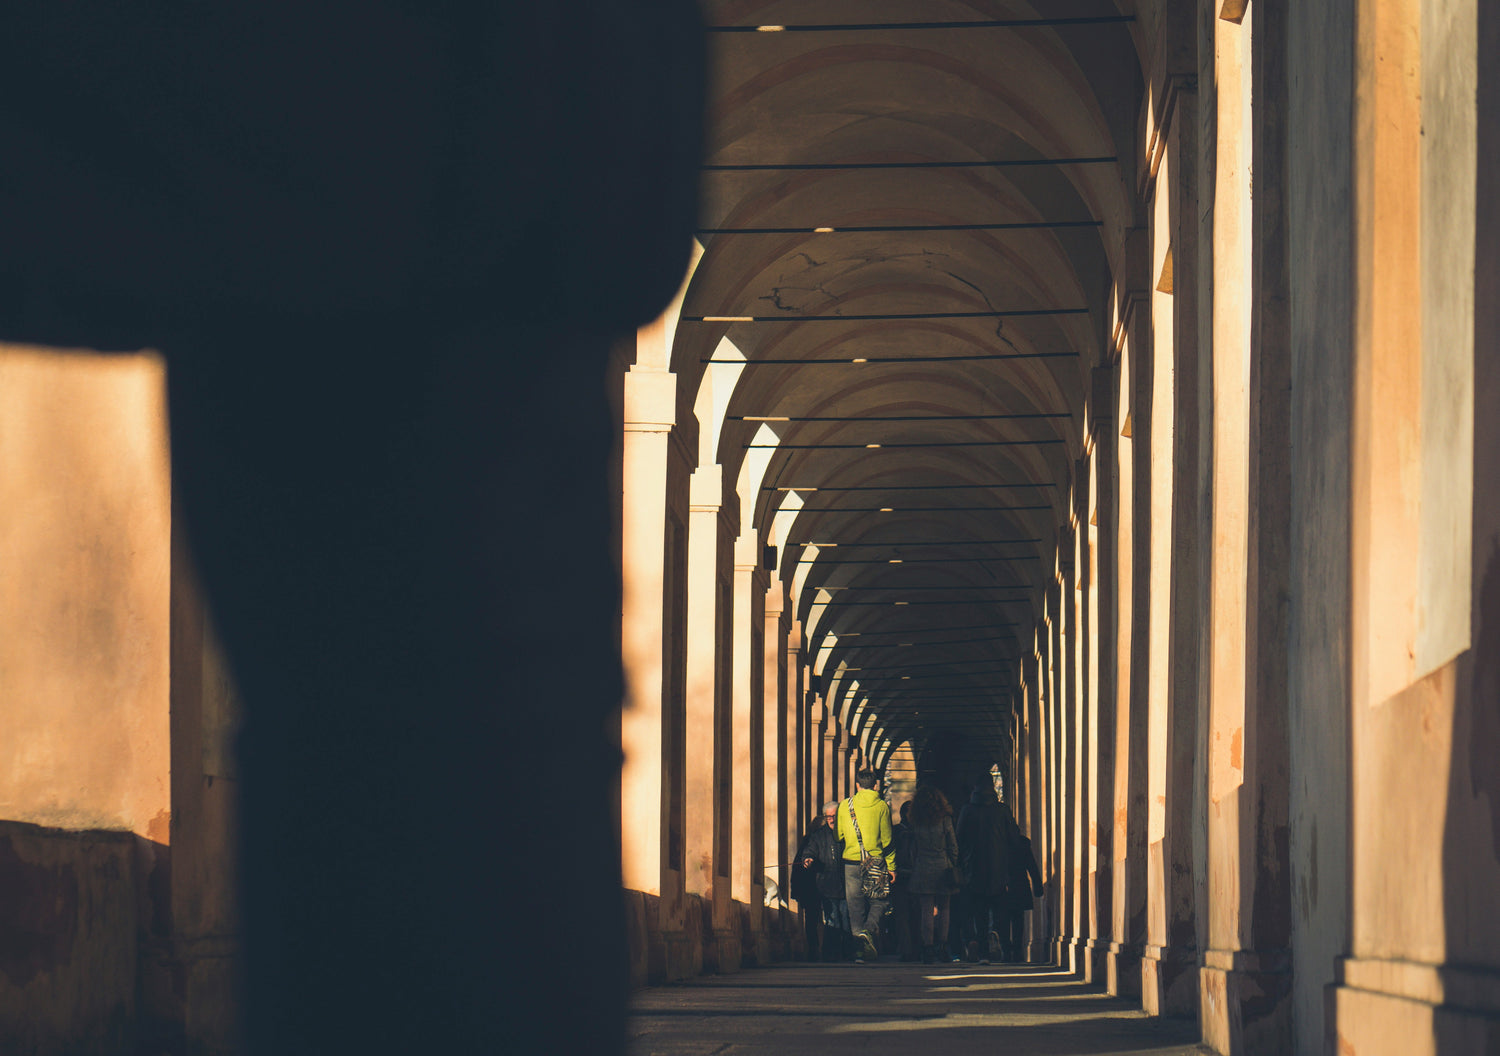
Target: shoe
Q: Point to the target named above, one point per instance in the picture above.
(929, 954)
(972, 950)
(867, 945)
(859, 958)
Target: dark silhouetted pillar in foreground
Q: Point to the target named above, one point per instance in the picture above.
(385, 248)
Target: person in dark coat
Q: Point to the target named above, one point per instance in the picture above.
(984, 856)
(1022, 885)
(804, 890)
(903, 901)
(822, 854)
(934, 851)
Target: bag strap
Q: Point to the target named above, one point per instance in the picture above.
(863, 854)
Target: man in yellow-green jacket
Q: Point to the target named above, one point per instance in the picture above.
(873, 818)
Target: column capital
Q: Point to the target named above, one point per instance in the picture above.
(747, 551)
(775, 601)
(706, 489)
(650, 404)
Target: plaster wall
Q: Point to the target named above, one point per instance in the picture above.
(85, 544)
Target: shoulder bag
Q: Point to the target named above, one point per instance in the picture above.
(876, 880)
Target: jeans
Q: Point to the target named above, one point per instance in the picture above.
(864, 913)
(836, 913)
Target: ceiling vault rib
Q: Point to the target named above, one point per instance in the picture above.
(885, 229)
(907, 487)
(928, 542)
(895, 418)
(975, 600)
(987, 23)
(991, 314)
(916, 561)
(905, 444)
(989, 357)
(856, 165)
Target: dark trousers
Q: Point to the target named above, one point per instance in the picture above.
(1013, 934)
(812, 926)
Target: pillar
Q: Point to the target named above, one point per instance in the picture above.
(832, 738)
(1128, 934)
(747, 814)
(1103, 688)
(779, 749)
(708, 849)
(799, 785)
(1246, 979)
(1178, 614)
(646, 733)
(1424, 942)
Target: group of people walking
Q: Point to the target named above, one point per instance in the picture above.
(954, 889)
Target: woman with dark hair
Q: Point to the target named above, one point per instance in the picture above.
(934, 852)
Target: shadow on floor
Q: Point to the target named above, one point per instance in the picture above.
(936, 1010)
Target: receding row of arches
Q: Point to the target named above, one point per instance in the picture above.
(1004, 423)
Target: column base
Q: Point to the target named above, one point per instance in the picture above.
(1078, 957)
(1245, 1002)
(1169, 981)
(1122, 970)
(1413, 1009)
(1096, 962)
(677, 957)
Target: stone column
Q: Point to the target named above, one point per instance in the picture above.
(1085, 707)
(1061, 603)
(645, 734)
(832, 740)
(747, 816)
(1133, 599)
(708, 734)
(1179, 619)
(778, 750)
(1104, 681)
(799, 785)
(1036, 800)
(1245, 1002)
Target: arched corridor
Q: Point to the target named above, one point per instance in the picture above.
(1037, 404)
(585, 438)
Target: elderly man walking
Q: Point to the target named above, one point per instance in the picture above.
(865, 828)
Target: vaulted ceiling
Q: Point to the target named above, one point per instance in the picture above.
(911, 213)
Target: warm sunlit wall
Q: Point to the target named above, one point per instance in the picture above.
(85, 548)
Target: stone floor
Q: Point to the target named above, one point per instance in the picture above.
(890, 1007)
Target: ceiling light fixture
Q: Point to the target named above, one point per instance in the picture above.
(729, 318)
